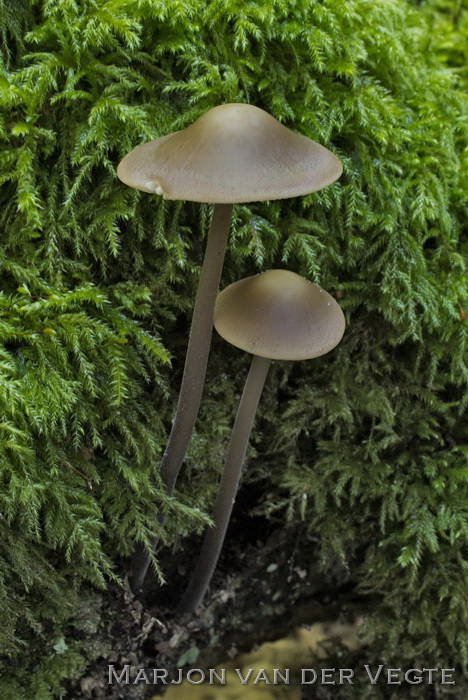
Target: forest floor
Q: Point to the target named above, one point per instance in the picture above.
(265, 587)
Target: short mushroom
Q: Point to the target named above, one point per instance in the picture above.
(276, 315)
(233, 153)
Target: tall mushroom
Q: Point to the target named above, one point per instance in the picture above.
(233, 153)
(276, 315)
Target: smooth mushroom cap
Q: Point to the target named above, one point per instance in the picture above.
(280, 315)
(233, 153)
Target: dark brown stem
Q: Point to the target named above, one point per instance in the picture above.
(214, 537)
(194, 371)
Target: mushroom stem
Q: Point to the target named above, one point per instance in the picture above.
(214, 537)
(194, 371)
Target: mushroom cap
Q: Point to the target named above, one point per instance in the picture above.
(280, 315)
(233, 153)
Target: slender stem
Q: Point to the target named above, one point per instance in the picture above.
(195, 369)
(214, 537)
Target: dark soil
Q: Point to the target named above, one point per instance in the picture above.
(266, 584)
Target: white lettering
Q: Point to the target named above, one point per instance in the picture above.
(307, 670)
(179, 680)
(244, 680)
(191, 672)
(214, 674)
(141, 676)
(262, 676)
(391, 673)
(284, 678)
(159, 673)
(325, 673)
(347, 673)
(447, 672)
(125, 672)
(417, 679)
(430, 671)
(374, 679)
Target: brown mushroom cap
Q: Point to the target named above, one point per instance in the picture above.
(233, 153)
(280, 315)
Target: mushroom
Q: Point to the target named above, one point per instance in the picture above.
(233, 153)
(276, 315)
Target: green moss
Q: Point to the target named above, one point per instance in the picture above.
(367, 446)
